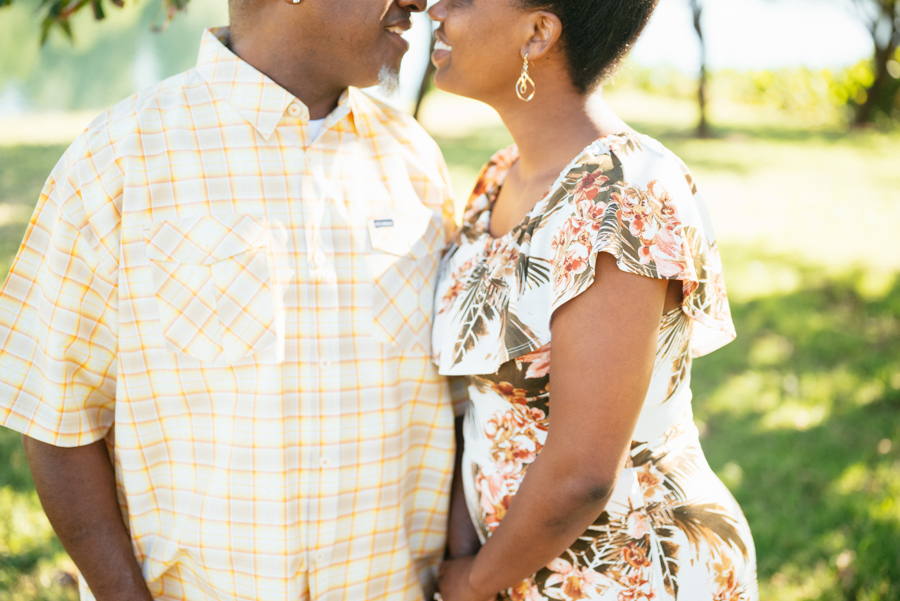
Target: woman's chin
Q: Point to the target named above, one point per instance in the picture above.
(445, 82)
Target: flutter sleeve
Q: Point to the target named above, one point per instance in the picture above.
(639, 203)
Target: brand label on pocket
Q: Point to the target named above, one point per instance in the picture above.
(384, 223)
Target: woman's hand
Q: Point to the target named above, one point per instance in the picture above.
(453, 583)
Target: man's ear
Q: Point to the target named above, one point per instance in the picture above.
(546, 28)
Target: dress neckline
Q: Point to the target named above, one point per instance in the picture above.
(494, 190)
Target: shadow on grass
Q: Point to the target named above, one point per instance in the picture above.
(14, 473)
(802, 420)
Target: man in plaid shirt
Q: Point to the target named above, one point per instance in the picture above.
(215, 336)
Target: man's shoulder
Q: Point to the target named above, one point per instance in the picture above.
(126, 116)
(109, 136)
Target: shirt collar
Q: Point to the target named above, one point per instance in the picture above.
(261, 101)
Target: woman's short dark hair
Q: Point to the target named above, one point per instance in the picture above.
(596, 34)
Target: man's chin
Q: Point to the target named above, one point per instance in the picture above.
(389, 80)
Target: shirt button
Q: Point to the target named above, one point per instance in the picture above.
(318, 258)
(323, 463)
(294, 109)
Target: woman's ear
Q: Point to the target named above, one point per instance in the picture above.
(546, 29)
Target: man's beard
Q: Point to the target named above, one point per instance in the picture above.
(388, 81)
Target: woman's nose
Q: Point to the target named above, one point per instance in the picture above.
(438, 12)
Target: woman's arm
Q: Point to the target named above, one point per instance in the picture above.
(604, 346)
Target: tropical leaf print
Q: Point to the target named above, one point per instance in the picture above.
(668, 554)
(710, 523)
(672, 353)
(532, 272)
(517, 336)
(483, 303)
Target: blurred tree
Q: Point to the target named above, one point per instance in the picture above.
(426, 80)
(703, 130)
(58, 12)
(882, 19)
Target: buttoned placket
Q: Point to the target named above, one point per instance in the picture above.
(324, 398)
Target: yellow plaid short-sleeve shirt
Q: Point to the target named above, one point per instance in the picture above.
(244, 313)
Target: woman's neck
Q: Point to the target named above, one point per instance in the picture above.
(552, 129)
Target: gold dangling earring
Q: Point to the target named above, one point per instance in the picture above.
(524, 83)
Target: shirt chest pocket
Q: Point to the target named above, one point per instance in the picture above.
(212, 286)
(406, 245)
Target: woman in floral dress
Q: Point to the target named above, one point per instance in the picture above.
(588, 243)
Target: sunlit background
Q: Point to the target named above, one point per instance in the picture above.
(799, 162)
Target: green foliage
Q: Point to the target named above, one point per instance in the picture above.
(660, 80)
(57, 14)
(109, 60)
(818, 96)
(853, 88)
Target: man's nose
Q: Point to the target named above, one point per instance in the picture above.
(415, 6)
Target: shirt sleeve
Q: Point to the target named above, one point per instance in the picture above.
(59, 307)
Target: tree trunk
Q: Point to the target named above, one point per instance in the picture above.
(426, 80)
(864, 112)
(875, 92)
(703, 130)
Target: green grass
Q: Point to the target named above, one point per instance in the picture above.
(800, 415)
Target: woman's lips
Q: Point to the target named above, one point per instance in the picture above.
(441, 50)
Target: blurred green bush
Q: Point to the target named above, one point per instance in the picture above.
(818, 96)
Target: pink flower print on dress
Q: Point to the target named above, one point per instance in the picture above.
(539, 360)
(726, 580)
(578, 583)
(525, 591)
(652, 218)
(638, 525)
(495, 498)
(502, 263)
(636, 588)
(635, 556)
(589, 186)
(650, 480)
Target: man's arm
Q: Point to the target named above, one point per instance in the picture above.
(77, 489)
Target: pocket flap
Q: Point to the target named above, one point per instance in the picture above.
(204, 240)
(402, 232)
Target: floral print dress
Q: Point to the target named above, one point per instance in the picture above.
(671, 529)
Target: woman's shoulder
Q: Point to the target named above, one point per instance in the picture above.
(641, 158)
(631, 197)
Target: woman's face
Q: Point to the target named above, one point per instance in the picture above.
(478, 52)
